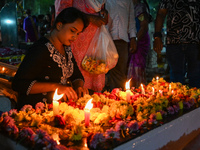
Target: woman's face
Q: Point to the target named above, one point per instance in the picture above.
(69, 32)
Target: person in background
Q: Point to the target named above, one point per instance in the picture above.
(121, 25)
(47, 23)
(49, 63)
(137, 63)
(30, 27)
(183, 38)
(80, 46)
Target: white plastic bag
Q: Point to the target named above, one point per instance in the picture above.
(102, 54)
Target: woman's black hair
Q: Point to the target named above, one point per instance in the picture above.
(70, 15)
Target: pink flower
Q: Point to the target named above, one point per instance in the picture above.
(12, 112)
(133, 126)
(96, 139)
(26, 108)
(111, 133)
(40, 106)
(115, 91)
(120, 125)
(8, 119)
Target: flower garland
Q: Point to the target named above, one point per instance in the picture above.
(112, 118)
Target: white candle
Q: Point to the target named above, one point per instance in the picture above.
(153, 91)
(169, 88)
(56, 97)
(157, 79)
(161, 93)
(128, 91)
(143, 91)
(55, 107)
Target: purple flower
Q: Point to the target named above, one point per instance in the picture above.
(186, 105)
(12, 112)
(111, 133)
(27, 132)
(40, 106)
(176, 108)
(133, 126)
(96, 139)
(170, 110)
(26, 108)
(120, 125)
(41, 136)
(191, 101)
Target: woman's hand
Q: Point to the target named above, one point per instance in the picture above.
(97, 20)
(81, 91)
(68, 92)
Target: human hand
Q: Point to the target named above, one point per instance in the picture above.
(158, 45)
(81, 91)
(68, 92)
(98, 20)
(133, 45)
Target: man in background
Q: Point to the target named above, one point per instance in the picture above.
(183, 36)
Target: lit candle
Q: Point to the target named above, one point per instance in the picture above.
(3, 69)
(170, 88)
(56, 138)
(153, 91)
(88, 106)
(157, 79)
(56, 97)
(128, 91)
(143, 91)
(161, 93)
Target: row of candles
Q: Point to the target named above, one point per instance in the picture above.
(89, 104)
(128, 91)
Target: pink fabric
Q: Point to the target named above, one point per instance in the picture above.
(80, 46)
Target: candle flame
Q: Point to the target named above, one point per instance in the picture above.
(56, 96)
(157, 78)
(142, 86)
(89, 104)
(56, 138)
(3, 69)
(127, 85)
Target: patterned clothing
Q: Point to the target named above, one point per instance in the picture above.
(43, 63)
(137, 62)
(183, 21)
(80, 46)
(119, 24)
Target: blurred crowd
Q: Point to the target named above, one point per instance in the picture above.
(40, 24)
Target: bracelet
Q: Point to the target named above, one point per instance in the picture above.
(157, 34)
